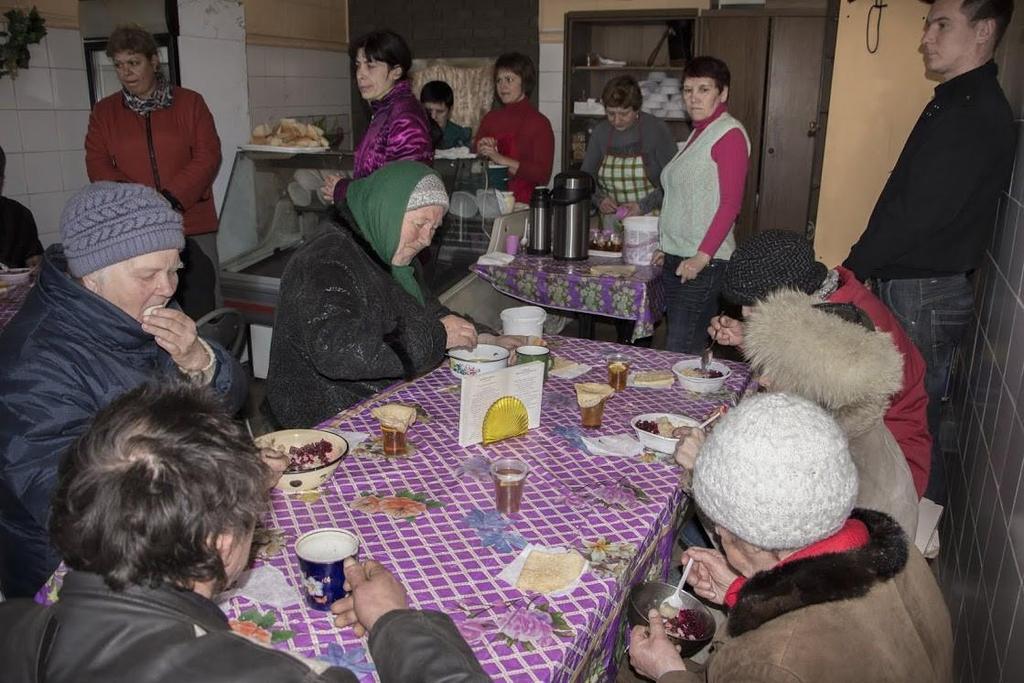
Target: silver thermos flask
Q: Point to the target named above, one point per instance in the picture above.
(570, 208)
(538, 241)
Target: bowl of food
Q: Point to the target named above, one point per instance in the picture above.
(479, 360)
(661, 431)
(701, 381)
(314, 455)
(691, 627)
(15, 276)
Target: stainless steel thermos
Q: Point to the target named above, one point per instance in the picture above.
(570, 210)
(538, 236)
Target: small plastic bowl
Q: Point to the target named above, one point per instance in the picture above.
(479, 360)
(646, 596)
(304, 480)
(15, 276)
(656, 442)
(701, 385)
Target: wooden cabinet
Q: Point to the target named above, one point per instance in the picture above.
(780, 62)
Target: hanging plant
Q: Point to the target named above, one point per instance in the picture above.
(19, 31)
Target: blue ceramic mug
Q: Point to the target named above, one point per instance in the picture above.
(322, 553)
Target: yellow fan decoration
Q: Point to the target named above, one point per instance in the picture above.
(505, 418)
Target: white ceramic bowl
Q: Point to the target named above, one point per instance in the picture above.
(701, 385)
(15, 276)
(479, 360)
(305, 480)
(656, 442)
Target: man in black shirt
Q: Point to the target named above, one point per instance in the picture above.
(19, 241)
(931, 223)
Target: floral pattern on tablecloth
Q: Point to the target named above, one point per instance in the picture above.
(569, 285)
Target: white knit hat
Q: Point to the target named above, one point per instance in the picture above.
(776, 473)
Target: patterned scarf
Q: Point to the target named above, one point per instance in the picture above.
(161, 98)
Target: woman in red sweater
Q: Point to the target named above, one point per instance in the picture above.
(517, 135)
(157, 134)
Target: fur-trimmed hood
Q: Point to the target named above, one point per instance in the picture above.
(848, 370)
(824, 578)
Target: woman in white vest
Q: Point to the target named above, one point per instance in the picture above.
(703, 187)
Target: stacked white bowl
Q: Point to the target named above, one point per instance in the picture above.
(662, 95)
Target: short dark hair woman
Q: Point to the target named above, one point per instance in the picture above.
(517, 135)
(163, 136)
(398, 128)
(627, 152)
(703, 192)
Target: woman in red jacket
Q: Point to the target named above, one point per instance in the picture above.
(157, 134)
(517, 135)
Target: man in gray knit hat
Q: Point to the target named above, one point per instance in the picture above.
(98, 323)
(816, 589)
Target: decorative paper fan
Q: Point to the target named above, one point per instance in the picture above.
(505, 418)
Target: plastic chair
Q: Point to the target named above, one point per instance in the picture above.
(227, 327)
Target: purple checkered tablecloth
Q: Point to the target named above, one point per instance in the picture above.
(10, 302)
(569, 286)
(626, 509)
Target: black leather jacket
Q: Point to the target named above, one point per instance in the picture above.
(164, 635)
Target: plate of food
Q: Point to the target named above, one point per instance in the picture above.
(313, 454)
(288, 136)
(661, 431)
(701, 381)
(282, 149)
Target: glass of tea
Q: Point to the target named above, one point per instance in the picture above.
(592, 415)
(393, 440)
(509, 476)
(618, 371)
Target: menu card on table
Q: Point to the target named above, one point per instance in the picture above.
(479, 392)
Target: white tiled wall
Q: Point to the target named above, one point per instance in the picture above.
(296, 82)
(43, 118)
(549, 90)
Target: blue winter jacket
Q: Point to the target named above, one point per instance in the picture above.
(65, 355)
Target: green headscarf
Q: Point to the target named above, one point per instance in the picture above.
(378, 203)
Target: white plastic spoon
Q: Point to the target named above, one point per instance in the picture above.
(675, 601)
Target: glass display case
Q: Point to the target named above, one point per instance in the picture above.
(272, 207)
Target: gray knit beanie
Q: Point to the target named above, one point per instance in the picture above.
(106, 223)
(770, 261)
(429, 191)
(776, 473)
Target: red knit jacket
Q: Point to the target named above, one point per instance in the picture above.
(524, 134)
(907, 417)
(183, 158)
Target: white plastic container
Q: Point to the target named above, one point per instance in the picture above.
(640, 239)
(524, 320)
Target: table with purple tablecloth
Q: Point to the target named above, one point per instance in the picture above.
(570, 286)
(432, 521)
(10, 302)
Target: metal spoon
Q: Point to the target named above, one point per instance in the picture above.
(675, 601)
(705, 358)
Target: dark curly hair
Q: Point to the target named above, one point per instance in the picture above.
(145, 492)
(131, 38)
(623, 92)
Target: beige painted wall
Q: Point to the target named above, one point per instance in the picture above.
(552, 12)
(57, 13)
(309, 24)
(876, 99)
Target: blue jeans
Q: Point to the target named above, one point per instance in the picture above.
(934, 313)
(690, 305)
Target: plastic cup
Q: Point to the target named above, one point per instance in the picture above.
(593, 415)
(509, 476)
(393, 441)
(322, 554)
(618, 371)
(512, 244)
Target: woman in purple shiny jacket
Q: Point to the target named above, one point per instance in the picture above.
(398, 125)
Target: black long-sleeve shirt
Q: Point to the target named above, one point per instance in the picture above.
(19, 239)
(938, 208)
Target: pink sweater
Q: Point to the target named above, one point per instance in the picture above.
(731, 157)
